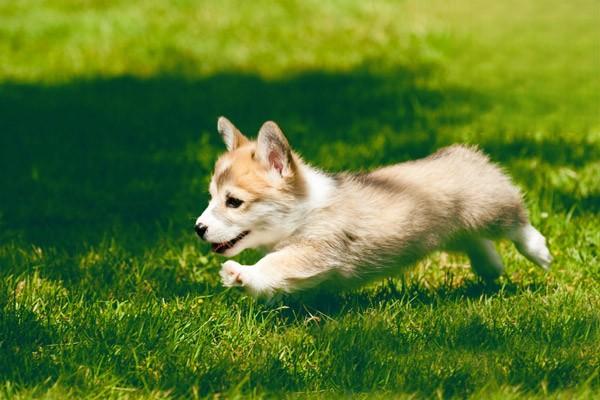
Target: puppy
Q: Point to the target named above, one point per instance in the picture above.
(345, 229)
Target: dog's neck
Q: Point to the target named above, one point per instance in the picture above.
(320, 187)
(318, 195)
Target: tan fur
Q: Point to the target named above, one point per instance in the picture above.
(346, 229)
(241, 170)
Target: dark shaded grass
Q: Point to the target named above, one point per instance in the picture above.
(93, 156)
(86, 155)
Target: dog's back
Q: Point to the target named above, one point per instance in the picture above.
(461, 182)
(412, 208)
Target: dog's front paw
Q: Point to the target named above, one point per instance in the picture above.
(231, 274)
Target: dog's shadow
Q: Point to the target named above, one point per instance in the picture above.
(321, 306)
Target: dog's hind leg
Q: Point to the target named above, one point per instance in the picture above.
(532, 244)
(485, 260)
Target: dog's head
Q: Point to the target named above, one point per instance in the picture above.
(254, 189)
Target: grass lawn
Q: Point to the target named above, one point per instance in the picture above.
(108, 135)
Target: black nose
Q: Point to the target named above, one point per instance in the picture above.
(200, 229)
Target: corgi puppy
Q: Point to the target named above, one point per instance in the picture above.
(346, 229)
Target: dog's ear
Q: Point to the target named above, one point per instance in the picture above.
(274, 150)
(232, 137)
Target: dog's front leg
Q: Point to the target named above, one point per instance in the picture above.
(286, 270)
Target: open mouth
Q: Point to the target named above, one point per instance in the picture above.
(222, 247)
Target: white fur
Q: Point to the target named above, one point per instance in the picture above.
(320, 188)
(532, 244)
(250, 276)
(485, 260)
(221, 229)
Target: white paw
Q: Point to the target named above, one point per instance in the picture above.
(231, 272)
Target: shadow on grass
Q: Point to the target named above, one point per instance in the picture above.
(413, 293)
(22, 340)
(82, 157)
(556, 150)
(88, 159)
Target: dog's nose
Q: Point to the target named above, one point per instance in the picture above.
(200, 229)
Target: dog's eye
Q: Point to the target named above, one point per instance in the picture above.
(232, 202)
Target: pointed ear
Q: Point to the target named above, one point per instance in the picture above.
(232, 137)
(273, 149)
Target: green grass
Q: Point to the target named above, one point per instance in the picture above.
(107, 138)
